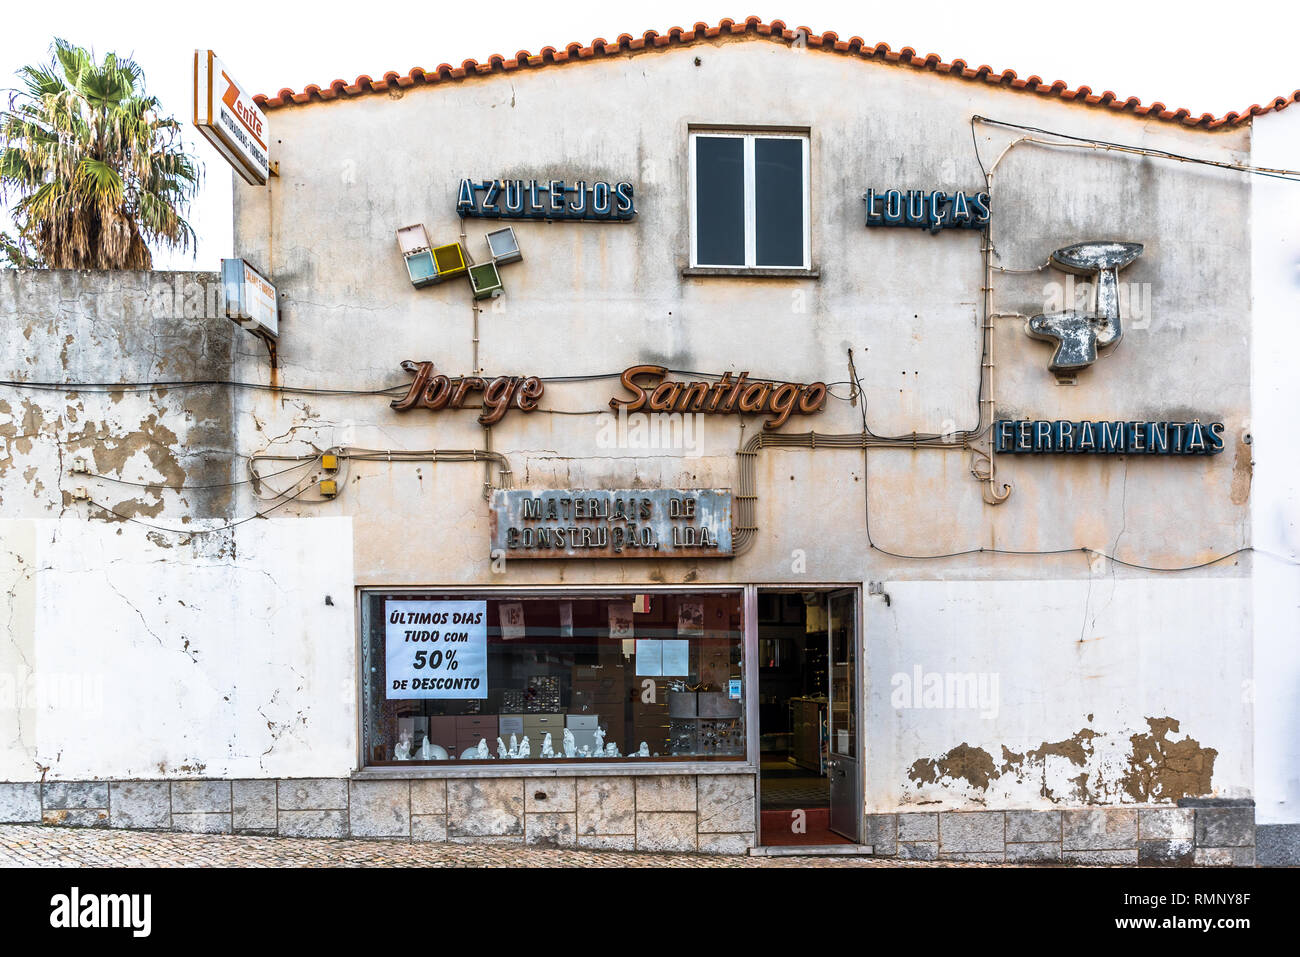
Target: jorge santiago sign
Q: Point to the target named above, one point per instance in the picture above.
(933, 210)
(544, 199)
(1107, 438)
(723, 396)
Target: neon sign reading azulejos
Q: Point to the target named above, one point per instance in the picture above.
(544, 199)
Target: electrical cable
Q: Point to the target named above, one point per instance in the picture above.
(504, 472)
(148, 386)
(1286, 174)
(1080, 549)
(984, 173)
(182, 488)
(197, 531)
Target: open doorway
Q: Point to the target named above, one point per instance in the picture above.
(808, 786)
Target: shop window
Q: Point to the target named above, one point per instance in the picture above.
(749, 200)
(489, 678)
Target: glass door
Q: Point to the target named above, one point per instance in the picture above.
(845, 789)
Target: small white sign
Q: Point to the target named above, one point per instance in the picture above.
(677, 657)
(620, 620)
(669, 657)
(224, 112)
(251, 298)
(435, 649)
(649, 656)
(512, 620)
(690, 618)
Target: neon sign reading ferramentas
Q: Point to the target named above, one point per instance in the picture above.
(1107, 438)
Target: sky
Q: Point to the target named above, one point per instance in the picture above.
(1207, 57)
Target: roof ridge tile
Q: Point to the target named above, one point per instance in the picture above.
(776, 30)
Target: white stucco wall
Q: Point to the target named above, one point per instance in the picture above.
(1060, 669)
(1275, 496)
(217, 659)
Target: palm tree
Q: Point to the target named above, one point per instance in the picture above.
(97, 170)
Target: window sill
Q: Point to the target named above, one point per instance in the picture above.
(509, 769)
(746, 272)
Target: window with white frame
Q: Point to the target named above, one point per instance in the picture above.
(749, 200)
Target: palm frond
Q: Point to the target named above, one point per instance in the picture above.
(95, 172)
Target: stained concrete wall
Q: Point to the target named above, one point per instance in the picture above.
(132, 650)
(592, 299)
(98, 328)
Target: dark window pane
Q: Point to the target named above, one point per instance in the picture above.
(720, 201)
(778, 201)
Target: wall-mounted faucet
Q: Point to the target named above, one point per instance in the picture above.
(1078, 335)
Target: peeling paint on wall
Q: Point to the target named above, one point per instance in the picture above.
(1164, 770)
(1243, 470)
(1152, 769)
(962, 763)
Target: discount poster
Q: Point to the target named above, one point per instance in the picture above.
(435, 649)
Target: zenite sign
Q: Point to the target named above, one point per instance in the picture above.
(225, 114)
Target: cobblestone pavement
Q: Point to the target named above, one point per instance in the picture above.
(25, 845)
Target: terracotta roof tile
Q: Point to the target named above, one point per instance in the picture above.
(776, 31)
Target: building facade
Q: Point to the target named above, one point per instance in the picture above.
(608, 379)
